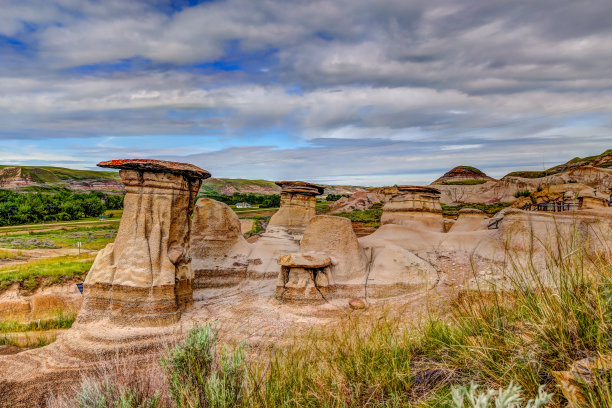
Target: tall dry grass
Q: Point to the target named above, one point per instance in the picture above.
(554, 308)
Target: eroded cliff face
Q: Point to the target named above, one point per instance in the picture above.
(145, 276)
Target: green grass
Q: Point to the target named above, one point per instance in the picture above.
(370, 216)
(10, 255)
(453, 210)
(94, 238)
(470, 182)
(30, 342)
(48, 174)
(45, 271)
(60, 321)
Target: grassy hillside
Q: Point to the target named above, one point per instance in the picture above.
(44, 175)
(601, 160)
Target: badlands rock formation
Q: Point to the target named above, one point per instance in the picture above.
(219, 251)
(414, 204)
(331, 264)
(470, 219)
(145, 277)
(298, 205)
(285, 229)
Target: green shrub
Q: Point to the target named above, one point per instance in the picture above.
(510, 397)
(199, 377)
(523, 193)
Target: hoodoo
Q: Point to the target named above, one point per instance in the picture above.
(331, 263)
(145, 278)
(286, 227)
(298, 202)
(414, 204)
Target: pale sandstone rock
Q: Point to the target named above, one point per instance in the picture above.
(145, 276)
(285, 229)
(304, 260)
(414, 204)
(298, 202)
(262, 261)
(304, 278)
(357, 304)
(219, 251)
(470, 219)
(326, 237)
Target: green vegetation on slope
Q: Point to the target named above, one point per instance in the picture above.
(216, 185)
(453, 210)
(370, 217)
(575, 162)
(90, 238)
(47, 174)
(519, 336)
(470, 182)
(46, 271)
(60, 321)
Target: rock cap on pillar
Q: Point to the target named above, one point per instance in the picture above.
(417, 189)
(157, 166)
(300, 187)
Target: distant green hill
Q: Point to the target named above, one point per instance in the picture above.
(602, 160)
(43, 177)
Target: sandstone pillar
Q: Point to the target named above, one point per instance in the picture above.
(145, 278)
(298, 205)
(414, 205)
(285, 229)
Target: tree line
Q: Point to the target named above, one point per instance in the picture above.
(263, 200)
(61, 205)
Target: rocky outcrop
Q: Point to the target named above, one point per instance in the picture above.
(470, 219)
(361, 200)
(219, 251)
(414, 204)
(145, 277)
(285, 229)
(331, 264)
(298, 205)
(304, 278)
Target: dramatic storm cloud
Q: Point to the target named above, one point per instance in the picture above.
(351, 91)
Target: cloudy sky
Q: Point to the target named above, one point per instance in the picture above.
(344, 91)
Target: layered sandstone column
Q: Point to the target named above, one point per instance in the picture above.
(298, 202)
(285, 229)
(145, 278)
(414, 205)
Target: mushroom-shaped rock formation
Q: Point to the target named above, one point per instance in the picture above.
(333, 237)
(414, 205)
(298, 202)
(470, 219)
(145, 278)
(219, 251)
(304, 278)
(285, 229)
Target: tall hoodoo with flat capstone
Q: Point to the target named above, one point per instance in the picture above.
(298, 205)
(145, 278)
(414, 205)
(285, 229)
